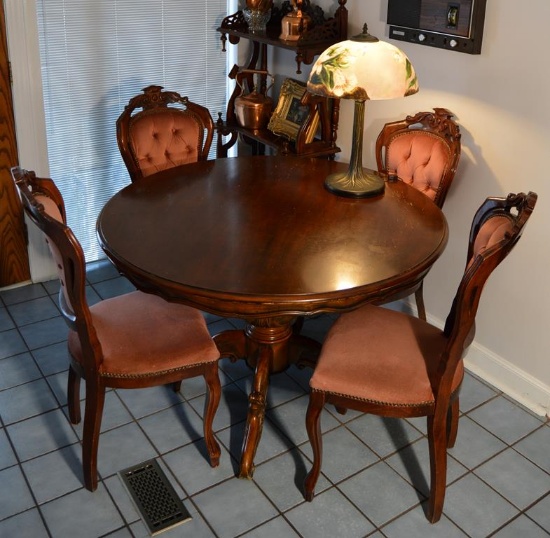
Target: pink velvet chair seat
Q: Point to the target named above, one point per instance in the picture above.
(143, 335)
(382, 356)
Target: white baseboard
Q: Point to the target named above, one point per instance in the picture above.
(514, 382)
(501, 374)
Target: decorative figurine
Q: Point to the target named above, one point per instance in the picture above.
(295, 23)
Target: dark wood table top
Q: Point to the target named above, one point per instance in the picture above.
(261, 236)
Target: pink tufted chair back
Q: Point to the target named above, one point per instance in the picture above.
(421, 150)
(153, 136)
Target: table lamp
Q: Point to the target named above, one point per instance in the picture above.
(361, 68)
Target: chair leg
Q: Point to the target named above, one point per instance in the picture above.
(73, 396)
(176, 386)
(419, 297)
(211, 403)
(95, 400)
(452, 423)
(313, 425)
(340, 410)
(437, 440)
(298, 325)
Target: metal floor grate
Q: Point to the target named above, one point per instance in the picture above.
(154, 496)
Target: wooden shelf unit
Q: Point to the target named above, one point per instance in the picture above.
(323, 33)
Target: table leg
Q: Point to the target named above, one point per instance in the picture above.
(256, 410)
(231, 344)
(269, 346)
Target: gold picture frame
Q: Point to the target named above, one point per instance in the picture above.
(290, 114)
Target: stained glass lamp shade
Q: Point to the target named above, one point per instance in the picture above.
(361, 68)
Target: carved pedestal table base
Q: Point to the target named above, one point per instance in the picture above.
(268, 346)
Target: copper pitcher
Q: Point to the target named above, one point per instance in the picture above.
(253, 110)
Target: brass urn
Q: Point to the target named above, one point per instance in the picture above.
(295, 23)
(259, 5)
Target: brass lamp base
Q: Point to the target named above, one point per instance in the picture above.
(355, 184)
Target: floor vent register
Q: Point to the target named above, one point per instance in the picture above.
(155, 498)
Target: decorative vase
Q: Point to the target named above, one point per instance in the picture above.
(256, 20)
(259, 5)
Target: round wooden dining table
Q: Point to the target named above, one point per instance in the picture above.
(260, 238)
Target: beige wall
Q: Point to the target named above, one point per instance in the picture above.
(500, 99)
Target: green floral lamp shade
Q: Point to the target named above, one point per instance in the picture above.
(363, 71)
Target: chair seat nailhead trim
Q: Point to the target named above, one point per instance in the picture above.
(153, 374)
(376, 402)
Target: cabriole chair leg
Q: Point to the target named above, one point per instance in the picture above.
(95, 400)
(452, 423)
(73, 396)
(313, 426)
(437, 441)
(210, 406)
(419, 298)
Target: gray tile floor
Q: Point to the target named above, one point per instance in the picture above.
(375, 473)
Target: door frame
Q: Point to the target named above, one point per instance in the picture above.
(14, 259)
(30, 123)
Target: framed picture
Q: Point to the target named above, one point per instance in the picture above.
(290, 114)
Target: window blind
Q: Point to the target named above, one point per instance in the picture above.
(95, 56)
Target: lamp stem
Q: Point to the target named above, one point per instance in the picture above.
(356, 159)
(356, 182)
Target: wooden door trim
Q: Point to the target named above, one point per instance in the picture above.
(14, 258)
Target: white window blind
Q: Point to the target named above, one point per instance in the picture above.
(95, 56)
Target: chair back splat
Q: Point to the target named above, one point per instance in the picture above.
(153, 136)
(134, 340)
(388, 363)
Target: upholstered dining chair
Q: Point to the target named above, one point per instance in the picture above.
(422, 150)
(153, 136)
(380, 361)
(131, 341)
